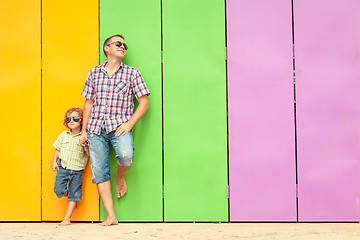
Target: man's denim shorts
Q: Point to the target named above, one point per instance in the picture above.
(74, 178)
(99, 148)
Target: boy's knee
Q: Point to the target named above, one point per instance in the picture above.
(60, 192)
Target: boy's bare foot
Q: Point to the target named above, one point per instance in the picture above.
(121, 188)
(65, 223)
(109, 221)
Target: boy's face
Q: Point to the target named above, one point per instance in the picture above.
(72, 124)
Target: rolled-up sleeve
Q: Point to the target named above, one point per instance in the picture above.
(58, 141)
(139, 86)
(88, 91)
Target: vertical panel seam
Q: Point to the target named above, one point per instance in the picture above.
(41, 113)
(99, 202)
(162, 113)
(295, 125)
(227, 113)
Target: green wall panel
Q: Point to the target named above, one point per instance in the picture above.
(194, 99)
(140, 23)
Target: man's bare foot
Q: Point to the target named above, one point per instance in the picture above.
(109, 221)
(121, 188)
(65, 223)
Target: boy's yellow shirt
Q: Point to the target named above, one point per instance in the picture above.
(72, 154)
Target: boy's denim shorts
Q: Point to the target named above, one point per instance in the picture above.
(99, 148)
(74, 178)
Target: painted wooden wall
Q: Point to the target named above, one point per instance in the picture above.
(221, 107)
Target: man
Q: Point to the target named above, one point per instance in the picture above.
(108, 118)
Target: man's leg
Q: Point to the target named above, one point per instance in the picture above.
(124, 148)
(121, 188)
(100, 171)
(104, 189)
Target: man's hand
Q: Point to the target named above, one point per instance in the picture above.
(83, 139)
(123, 129)
(54, 166)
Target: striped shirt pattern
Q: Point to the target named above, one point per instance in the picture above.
(72, 154)
(113, 96)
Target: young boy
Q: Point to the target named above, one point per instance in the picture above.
(70, 159)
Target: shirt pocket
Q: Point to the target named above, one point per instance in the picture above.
(65, 144)
(122, 88)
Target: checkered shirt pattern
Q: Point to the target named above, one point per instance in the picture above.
(113, 96)
(72, 154)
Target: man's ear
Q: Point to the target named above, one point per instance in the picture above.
(106, 48)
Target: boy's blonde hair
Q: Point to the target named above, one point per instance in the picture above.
(69, 112)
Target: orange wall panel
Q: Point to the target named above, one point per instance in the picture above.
(70, 49)
(20, 97)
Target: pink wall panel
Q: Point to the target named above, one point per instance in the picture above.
(261, 111)
(327, 51)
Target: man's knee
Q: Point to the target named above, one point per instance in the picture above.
(125, 159)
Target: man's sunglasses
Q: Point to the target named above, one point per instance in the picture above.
(119, 44)
(68, 119)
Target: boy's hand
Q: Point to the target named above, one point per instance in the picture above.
(55, 166)
(83, 139)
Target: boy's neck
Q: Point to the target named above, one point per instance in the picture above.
(75, 131)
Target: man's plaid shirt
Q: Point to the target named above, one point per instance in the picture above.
(72, 154)
(113, 96)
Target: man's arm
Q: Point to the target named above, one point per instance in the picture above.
(86, 115)
(140, 111)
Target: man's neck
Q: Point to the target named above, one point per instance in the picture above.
(113, 64)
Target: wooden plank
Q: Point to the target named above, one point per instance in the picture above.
(195, 141)
(140, 23)
(327, 50)
(69, 50)
(261, 111)
(20, 96)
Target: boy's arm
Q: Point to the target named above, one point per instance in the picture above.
(139, 112)
(55, 166)
(86, 115)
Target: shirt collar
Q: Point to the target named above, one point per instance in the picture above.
(102, 67)
(69, 132)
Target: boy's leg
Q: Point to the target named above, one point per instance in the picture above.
(62, 178)
(74, 194)
(70, 209)
(124, 148)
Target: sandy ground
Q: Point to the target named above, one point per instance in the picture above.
(199, 231)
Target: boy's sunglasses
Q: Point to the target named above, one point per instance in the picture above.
(76, 119)
(119, 44)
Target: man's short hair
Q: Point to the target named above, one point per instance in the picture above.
(107, 41)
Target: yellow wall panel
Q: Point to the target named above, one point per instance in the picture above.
(70, 49)
(20, 97)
